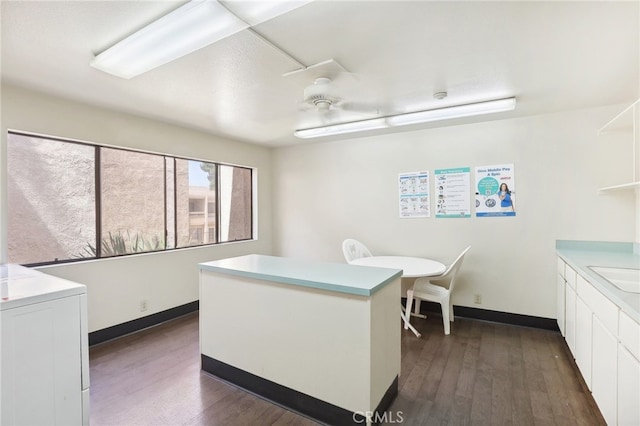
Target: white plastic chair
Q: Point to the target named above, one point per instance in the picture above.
(354, 249)
(427, 288)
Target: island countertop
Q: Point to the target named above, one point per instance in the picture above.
(264, 320)
(338, 277)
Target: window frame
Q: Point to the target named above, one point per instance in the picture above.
(167, 199)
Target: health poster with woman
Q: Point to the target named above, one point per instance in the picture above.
(495, 191)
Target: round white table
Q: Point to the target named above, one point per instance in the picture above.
(412, 267)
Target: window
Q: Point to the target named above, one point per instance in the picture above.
(235, 203)
(170, 191)
(145, 202)
(196, 235)
(133, 205)
(51, 200)
(197, 190)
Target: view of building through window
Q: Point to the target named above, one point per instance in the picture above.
(170, 193)
(194, 227)
(147, 202)
(51, 199)
(132, 202)
(235, 203)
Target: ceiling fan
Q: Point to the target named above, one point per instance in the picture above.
(327, 100)
(324, 98)
(322, 95)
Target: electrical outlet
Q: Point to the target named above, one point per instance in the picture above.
(143, 305)
(477, 299)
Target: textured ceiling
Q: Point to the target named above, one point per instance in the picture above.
(552, 56)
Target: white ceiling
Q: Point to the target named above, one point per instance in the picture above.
(552, 56)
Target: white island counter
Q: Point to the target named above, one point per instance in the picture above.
(322, 339)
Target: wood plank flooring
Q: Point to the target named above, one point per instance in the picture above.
(482, 374)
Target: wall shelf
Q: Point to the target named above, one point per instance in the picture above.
(623, 122)
(627, 122)
(624, 186)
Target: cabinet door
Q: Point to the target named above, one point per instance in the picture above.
(629, 334)
(604, 378)
(570, 276)
(560, 284)
(583, 340)
(628, 388)
(561, 267)
(40, 362)
(603, 308)
(570, 319)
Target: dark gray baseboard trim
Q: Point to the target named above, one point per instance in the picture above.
(294, 400)
(129, 327)
(138, 324)
(494, 316)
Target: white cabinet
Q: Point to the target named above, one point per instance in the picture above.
(628, 371)
(628, 388)
(605, 343)
(570, 319)
(591, 307)
(629, 332)
(604, 386)
(44, 367)
(570, 309)
(560, 303)
(583, 345)
(601, 307)
(560, 295)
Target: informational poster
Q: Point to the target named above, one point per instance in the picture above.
(495, 191)
(413, 189)
(453, 192)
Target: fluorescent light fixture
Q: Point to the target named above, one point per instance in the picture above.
(458, 111)
(338, 129)
(256, 12)
(190, 27)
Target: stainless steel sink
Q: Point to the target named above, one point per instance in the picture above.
(626, 279)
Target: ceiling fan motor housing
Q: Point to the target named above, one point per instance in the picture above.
(320, 94)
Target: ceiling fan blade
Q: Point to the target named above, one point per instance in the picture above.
(360, 107)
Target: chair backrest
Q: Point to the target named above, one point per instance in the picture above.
(448, 277)
(354, 249)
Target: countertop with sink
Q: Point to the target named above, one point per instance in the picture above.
(582, 255)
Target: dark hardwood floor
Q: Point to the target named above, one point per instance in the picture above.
(482, 374)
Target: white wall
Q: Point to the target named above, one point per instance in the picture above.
(326, 192)
(116, 286)
(636, 137)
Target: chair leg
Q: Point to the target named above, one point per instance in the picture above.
(407, 323)
(407, 309)
(416, 310)
(445, 316)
